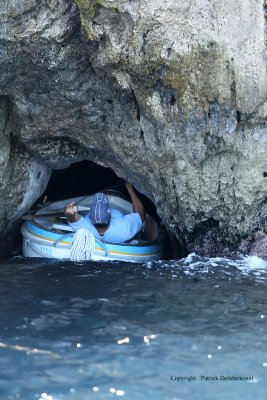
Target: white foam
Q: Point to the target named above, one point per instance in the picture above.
(247, 265)
(190, 258)
(255, 262)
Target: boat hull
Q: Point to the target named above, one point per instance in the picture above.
(50, 240)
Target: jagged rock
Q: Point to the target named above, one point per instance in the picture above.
(170, 95)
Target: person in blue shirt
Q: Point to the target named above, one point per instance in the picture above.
(106, 223)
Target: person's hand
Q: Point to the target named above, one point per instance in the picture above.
(70, 210)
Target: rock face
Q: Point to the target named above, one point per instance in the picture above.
(169, 94)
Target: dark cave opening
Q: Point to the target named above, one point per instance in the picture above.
(87, 177)
(81, 178)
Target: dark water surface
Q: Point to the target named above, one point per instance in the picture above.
(189, 329)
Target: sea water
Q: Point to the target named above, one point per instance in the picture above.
(194, 328)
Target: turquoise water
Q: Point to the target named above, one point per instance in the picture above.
(189, 329)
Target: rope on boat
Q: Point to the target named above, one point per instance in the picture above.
(62, 237)
(83, 245)
(102, 244)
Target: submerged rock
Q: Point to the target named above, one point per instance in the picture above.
(170, 95)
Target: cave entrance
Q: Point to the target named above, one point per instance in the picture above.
(79, 179)
(87, 177)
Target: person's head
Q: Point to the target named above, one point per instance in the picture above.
(100, 210)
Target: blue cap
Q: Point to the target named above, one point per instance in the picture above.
(100, 210)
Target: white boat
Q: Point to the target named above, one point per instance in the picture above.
(47, 234)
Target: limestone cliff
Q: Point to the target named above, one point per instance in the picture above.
(170, 94)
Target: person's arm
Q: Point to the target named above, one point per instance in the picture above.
(138, 206)
(71, 212)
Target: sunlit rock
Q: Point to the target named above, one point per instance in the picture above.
(170, 95)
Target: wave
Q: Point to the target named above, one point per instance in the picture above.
(249, 266)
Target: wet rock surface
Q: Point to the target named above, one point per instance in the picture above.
(171, 96)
